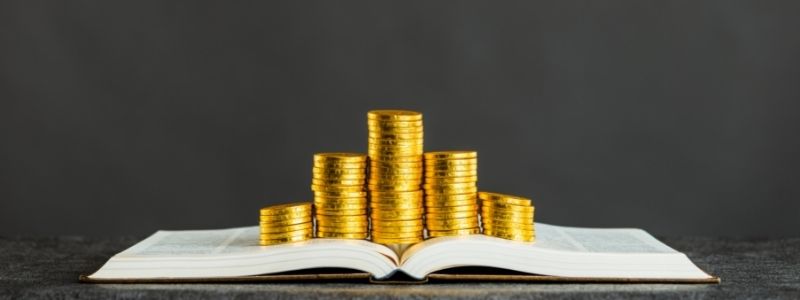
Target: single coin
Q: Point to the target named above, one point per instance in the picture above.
(440, 233)
(451, 154)
(447, 168)
(330, 195)
(393, 124)
(269, 228)
(508, 227)
(450, 180)
(271, 221)
(292, 239)
(371, 140)
(341, 212)
(452, 197)
(505, 199)
(341, 219)
(437, 174)
(397, 194)
(445, 204)
(337, 188)
(449, 209)
(413, 166)
(513, 209)
(292, 214)
(383, 225)
(281, 235)
(399, 205)
(330, 205)
(396, 178)
(338, 182)
(396, 235)
(394, 158)
(451, 162)
(387, 184)
(453, 222)
(395, 188)
(395, 136)
(343, 227)
(451, 215)
(390, 215)
(342, 235)
(394, 115)
(297, 207)
(340, 157)
(392, 130)
(449, 189)
(341, 165)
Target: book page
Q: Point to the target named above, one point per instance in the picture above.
(616, 240)
(197, 242)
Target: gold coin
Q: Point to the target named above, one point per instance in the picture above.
(393, 124)
(269, 242)
(508, 217)
(394, 115)
(518, 209)
(377, 141)
(280, 235)
(505, 199)
(451, 154)
(396, 151)
(452, 222)
(395, 188)
(342, 235)
(361, 176)
(396, 194)
(341, 165)
(447, 203)
(392, 179)
(285, 219)
(399, 205)
(414, 166)
(341, 219)
(329, 172)
(437, 174)
(452, 197)
(448, 209)
(269, 228)
(332, 195)
(386, 225)
(388, 215)
(297, 207)
(347, 157)
(397, 235)
(452, 162)
(439, 191)
(342, 212)
(292, 214)
(508, 227)
(338, 182)
(380, 184)
(394, 158)
(390, 130)
(451, 215)
(337, 188)
(396, 241)
(466, 231)
(340, 203)
(394, 155)
(343, 227)
(450, 180)
(395, 136)
(460, 168)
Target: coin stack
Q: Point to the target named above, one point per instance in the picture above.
(286, 223)
(340, 200)
(450, 193)
(395, 178)
(506, 216)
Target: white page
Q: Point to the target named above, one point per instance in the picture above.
(598, 240)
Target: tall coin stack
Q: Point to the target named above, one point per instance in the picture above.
(340, 200)
(285, 223)
(395, 178)
(506, 216)
(451, 202)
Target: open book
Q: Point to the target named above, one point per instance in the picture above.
(559, 253)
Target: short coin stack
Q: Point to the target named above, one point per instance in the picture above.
(506, 216)
(395, 179)
(450, 193)
(286, 223)
(340, 200)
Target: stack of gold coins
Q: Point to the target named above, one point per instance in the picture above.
(506, 216)
(450, 193)
(340, 200)
(286, 223)
(395, 178)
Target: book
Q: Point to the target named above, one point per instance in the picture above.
(558, 254)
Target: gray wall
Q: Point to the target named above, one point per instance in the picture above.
(124, 117)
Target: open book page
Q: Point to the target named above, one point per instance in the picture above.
(235, 252)
(558, 251)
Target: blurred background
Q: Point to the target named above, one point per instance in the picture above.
(125, 117)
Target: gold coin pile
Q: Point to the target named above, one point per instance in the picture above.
(451, 203)
(395, 176)
(285, 223)
(506, 216)
(340, 200)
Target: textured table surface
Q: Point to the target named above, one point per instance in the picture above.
(49, 268)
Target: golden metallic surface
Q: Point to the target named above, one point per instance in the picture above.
(394, 115)
(360, 203)
(452, 197)
(514, 209)
(384, 224)
(393, 123)
(446, 203)
(437, 191)
(450, 209)
(508, 226)
(338, 182)
(505, 199)
(323, 176)
(393, 130)
(297, 207)
(394, 179)
(395, 188)
(344, 157)
(451, 215)
(394, 158)
(399, 205)
(268, 242)
(386, 241)
(337, 188)
(332, 172)
(471, 162)
(286, 216)
(416, 165)
(396, 235)
(436, 174)
(341, 166)
(395, 136)
(459, 168)
(270, 228)
(451, 154)
(394, 214)
(397, 195)
(342, 235)
(343, 227)
(282, 221)
(344, 195)
(341, 219)
(450, 180)
(342, 212)
(453, 222)
(466, 231)
(378, 141)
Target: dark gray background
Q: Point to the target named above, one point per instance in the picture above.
(124, 117)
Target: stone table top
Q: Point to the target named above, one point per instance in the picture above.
(35, 267)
